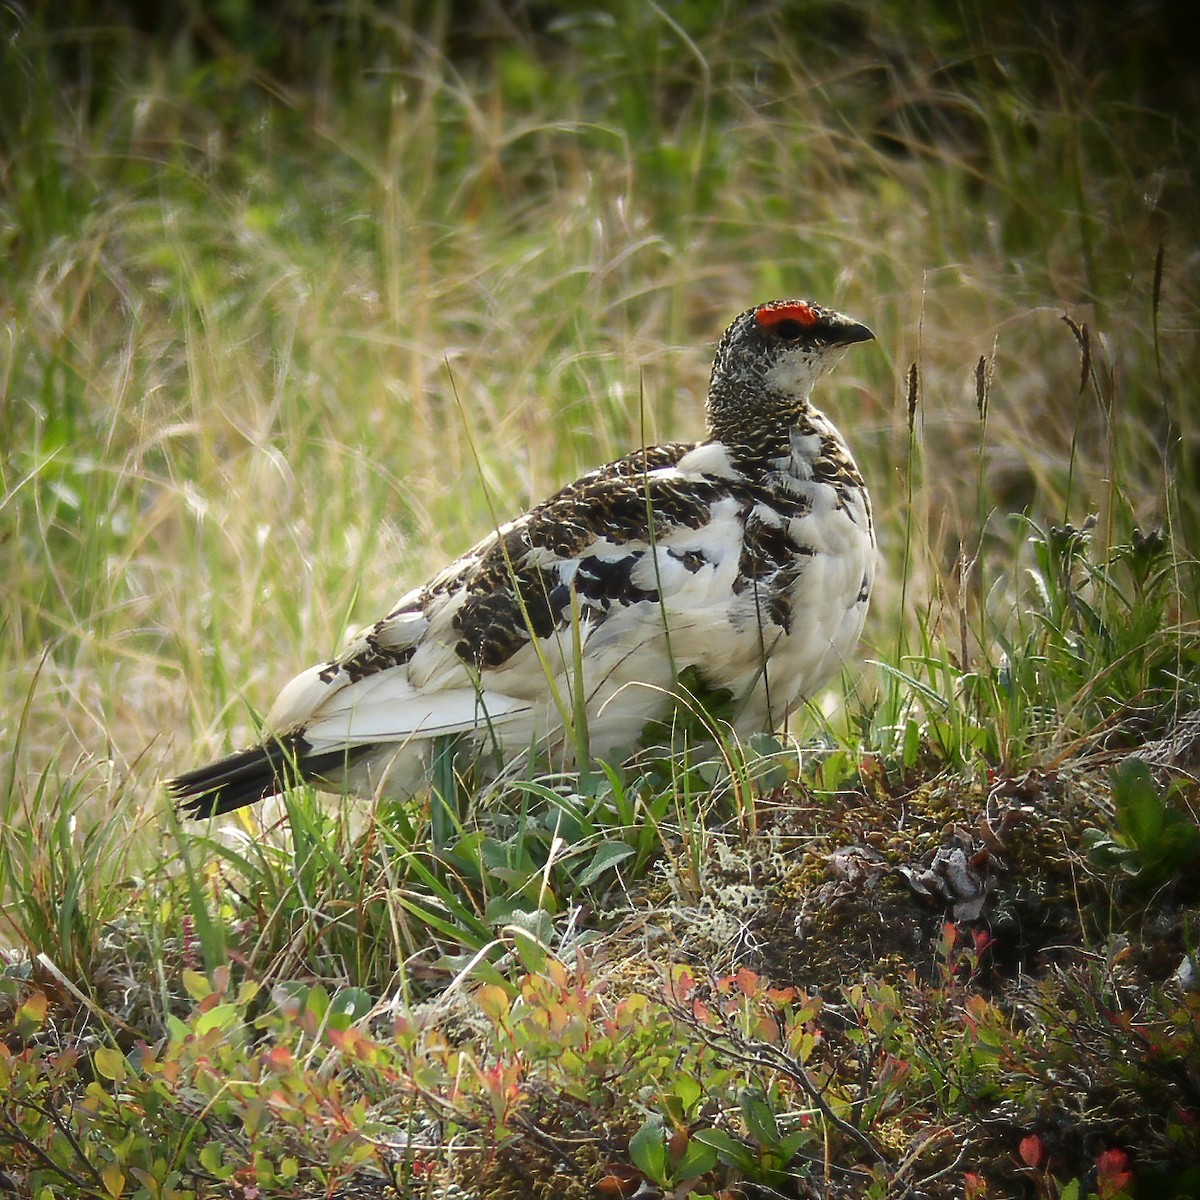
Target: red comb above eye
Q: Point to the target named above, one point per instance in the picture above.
(771, 315)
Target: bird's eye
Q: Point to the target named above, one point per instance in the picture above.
(788, 330)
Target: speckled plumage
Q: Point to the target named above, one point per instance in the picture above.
(747, 558)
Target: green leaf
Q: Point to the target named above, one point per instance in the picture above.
(1161, 839)
(350, 1004)
(246, 992)
(212, 1159)
(689, 1091)
(1140, 810)
(698, 1159)
(1180, 842)
(317, 1002)
(530, 951)
(787, 1147)
(113, 1179)
(224, 1016)
(605, 858)
(731, 1152)
(110, 1063)
(1106, 854)
(759, 1118)
(196, 985)
(648, 1150)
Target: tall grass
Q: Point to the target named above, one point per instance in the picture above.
(246, 277)
(296, 303)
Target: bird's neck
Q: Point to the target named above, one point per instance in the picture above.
(759, 430)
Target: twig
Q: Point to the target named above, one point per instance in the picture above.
(763, 1054)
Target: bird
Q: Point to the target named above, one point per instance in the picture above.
(742, 563)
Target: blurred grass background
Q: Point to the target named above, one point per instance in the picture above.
(291, 294)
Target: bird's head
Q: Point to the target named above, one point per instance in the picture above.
(769, 359)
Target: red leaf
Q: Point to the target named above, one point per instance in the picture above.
(1032, 1152)
(279, 1058)
(974, 1186)
(621, 1181)
(677, 1146)
(747, 982)
(1113, 1173)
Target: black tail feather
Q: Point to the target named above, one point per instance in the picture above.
(252, 775)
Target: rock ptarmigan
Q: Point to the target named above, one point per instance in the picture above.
(746, 559)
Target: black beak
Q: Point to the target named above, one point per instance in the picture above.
(842, 331)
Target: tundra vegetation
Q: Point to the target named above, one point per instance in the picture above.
(299, 300)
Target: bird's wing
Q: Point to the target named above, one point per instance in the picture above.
(624, 536)
(471, 644)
